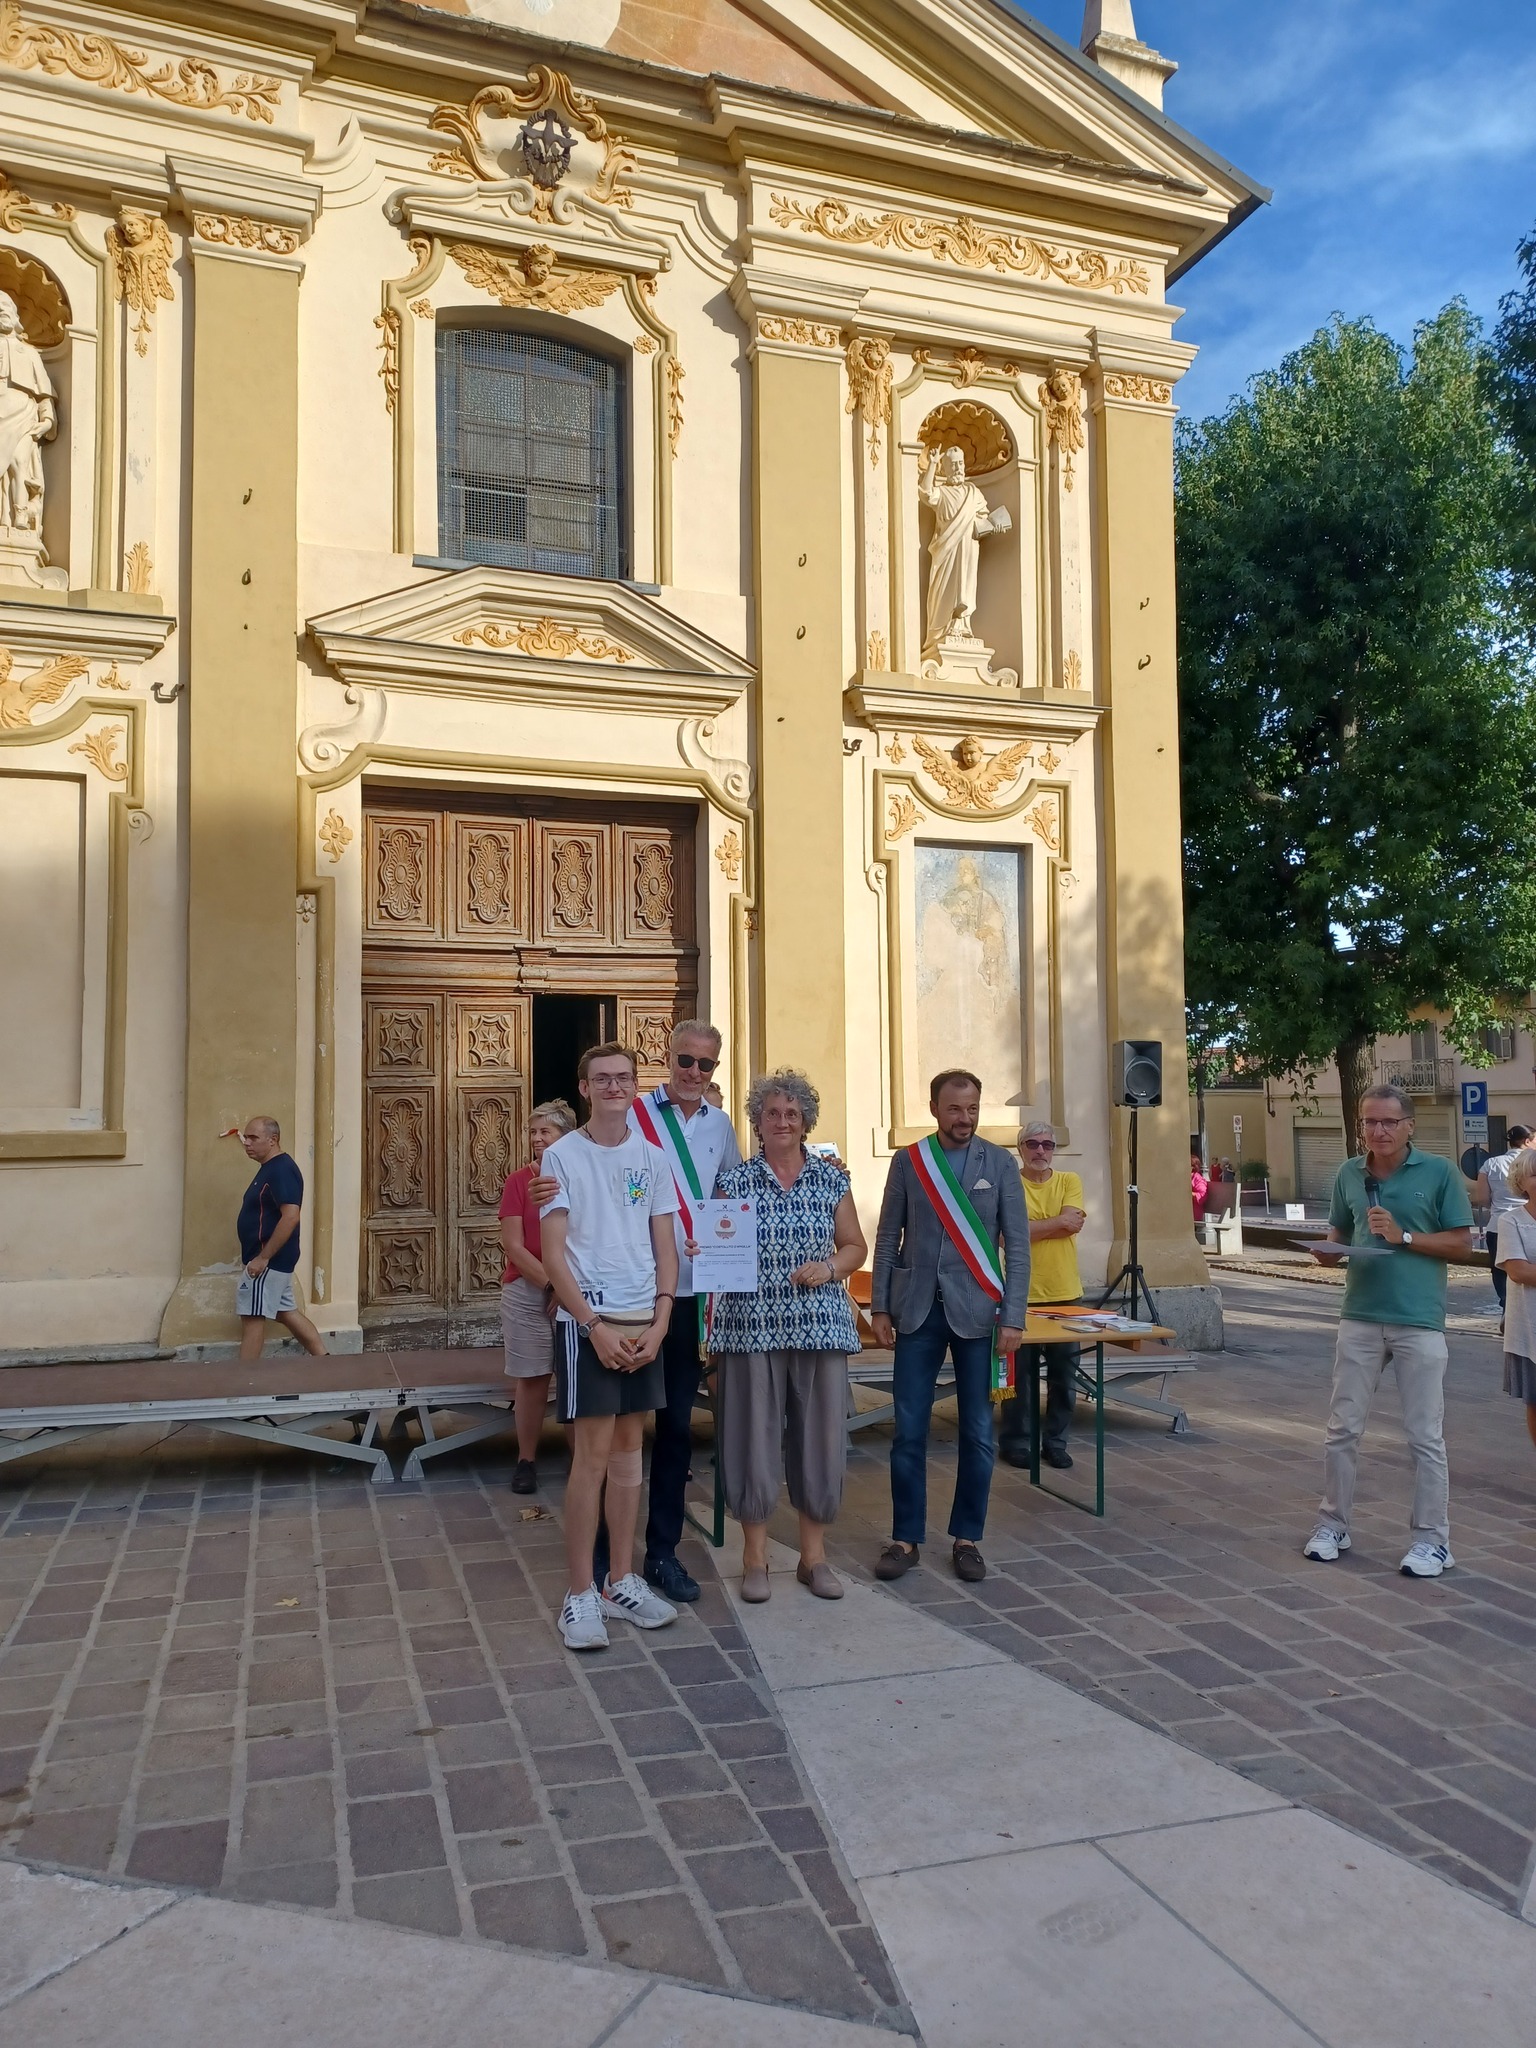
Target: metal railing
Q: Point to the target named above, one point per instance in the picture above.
(1419, 1077)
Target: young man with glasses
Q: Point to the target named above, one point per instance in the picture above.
(1056, 1215)
(1409, 1211)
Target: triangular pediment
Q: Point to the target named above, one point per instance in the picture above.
(513, 633)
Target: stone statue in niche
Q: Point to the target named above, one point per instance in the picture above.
(28, 417)
(962, 519)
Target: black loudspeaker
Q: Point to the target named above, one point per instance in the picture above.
(1136, 1073)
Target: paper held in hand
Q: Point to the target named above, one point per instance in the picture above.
(725, 1231)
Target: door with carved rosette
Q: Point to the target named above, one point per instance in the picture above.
(469, 913)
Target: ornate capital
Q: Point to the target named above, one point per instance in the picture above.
(1140, 390)
(802, 333)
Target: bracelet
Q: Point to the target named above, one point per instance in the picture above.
(664, 1296)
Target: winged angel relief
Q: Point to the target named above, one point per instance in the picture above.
(533, 279)
(21, 695)
(967, 776)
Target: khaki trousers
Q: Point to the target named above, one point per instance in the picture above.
(782, 1416)
(1417, 1357)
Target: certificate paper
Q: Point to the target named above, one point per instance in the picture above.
(726, 1233)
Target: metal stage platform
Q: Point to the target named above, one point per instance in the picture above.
(282, 1400)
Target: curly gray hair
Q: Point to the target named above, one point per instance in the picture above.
(1037, 1130)
(791, 1084)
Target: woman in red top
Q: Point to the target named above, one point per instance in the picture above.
(526, 1328)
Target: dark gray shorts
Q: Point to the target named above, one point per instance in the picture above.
(585, 1386)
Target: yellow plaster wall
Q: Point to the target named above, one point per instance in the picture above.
(242, 984)
(1143, 898)
(798, 435)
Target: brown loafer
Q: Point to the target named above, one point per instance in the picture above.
(821, 1579)
(754, 1583)
(970, 1565)
(895, 1560)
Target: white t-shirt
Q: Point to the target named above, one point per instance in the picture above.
(1517, 1240)
(610, 1193)
(1501, 1196)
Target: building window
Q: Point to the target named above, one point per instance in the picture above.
(528, 453)
(1499, 1041)
(1424, 1042)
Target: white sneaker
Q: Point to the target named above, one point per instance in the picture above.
(632, 1600)
(1426, 1560)
(1324, 1544)
(581, 1621)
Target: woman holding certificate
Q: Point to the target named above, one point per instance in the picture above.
(782, 1352)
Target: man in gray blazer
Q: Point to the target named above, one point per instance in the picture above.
(925, 1301)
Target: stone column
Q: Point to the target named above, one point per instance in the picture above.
(799, 435)
(241, 772)
(1144, 925)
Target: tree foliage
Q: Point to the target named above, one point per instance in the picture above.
(1512, 389)
(1356, 702)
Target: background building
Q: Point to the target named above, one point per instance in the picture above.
(485, 569)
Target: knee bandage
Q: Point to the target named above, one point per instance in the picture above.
(624, 1468)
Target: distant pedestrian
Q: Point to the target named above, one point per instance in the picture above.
(1199, 1183)
(1492, 1191)
(268, 1229)
(527, 1303)
(1409, 1210)
(1517, 1259)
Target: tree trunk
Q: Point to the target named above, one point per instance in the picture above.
(1353, 1060)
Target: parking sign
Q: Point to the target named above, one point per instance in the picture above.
(1474, 1110)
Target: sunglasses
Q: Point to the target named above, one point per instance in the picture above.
(1040, 1144)
(691, 1059)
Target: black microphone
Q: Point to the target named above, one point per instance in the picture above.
(1373, 1201)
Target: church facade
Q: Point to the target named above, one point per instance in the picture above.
(521, 523)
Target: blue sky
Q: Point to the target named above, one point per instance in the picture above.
(1398, 136)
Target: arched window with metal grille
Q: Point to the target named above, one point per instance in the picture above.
(529, 461)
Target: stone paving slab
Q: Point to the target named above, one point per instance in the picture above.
(238, 1672)
(1404, 1709)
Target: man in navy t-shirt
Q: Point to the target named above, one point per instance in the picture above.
(269, 1242)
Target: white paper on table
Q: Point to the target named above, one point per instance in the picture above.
(725, 1230)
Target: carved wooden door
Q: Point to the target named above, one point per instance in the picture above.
(487, 1104)
(403, 1252)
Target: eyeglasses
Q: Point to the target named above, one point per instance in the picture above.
(689, 1060)
(1039, 1144)
(1383, 1123)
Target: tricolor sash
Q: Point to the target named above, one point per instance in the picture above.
(966, 1232)
(660, 1122)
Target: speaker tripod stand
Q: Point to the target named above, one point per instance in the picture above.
(1128, 1291)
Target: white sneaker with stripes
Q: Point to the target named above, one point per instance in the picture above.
(632, 1600)
(581, 1621)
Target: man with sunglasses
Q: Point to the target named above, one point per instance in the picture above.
(1408, 1211)
(1056, 1215)
(699, 1141)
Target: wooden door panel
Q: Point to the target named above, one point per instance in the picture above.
(645, 1022)
(403, 1179)
(402, 896)
(404, 1267)
(571, 878)
(401, 1038)
(488, 896)
(654, 875)
(489, 1039)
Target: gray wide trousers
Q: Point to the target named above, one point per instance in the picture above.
(782, 1415)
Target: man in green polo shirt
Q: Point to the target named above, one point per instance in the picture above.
(1410, 1209)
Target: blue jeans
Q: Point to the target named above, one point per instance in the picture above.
(918, 1360)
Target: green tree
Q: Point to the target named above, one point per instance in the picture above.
(1512, 387)
(1356, 704)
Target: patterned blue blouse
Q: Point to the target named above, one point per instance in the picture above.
(793, 1226)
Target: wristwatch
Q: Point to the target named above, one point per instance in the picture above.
(1407, 1237)
(585, 1329)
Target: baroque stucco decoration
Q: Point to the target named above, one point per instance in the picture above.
(140, 248)
(1061, 400)
(15, 205)
(973, 428)
(545, 636)
(962, 241)
(870, 376)
(38, 297)
(20, 696)
(532, 278)
(28, 417)
(475, 155)
(970, 778)
(99, 60)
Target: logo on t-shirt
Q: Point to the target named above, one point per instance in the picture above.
(636, 1185)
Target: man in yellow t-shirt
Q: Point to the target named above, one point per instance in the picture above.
(1056, 1215)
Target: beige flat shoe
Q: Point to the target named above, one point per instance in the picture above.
(754, 1583)
(821, 1579)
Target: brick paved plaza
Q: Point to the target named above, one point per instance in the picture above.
(236, 1670)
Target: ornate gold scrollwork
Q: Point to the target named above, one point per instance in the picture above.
(15, 205)
(728, 856)
(868, 360)
(962, 241)
(388, 324)
(544, 636)
(975, 429)
(100, 749)
(546, 89)
(20, 696)
(98, 60)
(1061, 400)
(335, 835)
(140, 248)
(238, 231)
(904, 817)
